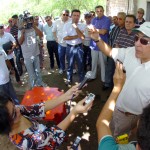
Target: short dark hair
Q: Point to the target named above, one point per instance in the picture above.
(131, 16)
(66, 11)
(93, 13)
(5, 120)
(48, 17)
(75, 10)
(15, 17)
(143, 129)
(99, 6)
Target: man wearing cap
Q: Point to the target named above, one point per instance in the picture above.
(58, 35)
(140, 20)
(135, 93)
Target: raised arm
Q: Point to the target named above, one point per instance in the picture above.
(105, 48)
(63, 98)
(105, 116)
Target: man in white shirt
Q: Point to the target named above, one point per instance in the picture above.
(52, 45)
(73, 35)
(6, 86)
(135, 94)
(58, 35)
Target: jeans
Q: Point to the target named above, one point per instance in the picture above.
(52, 47)
(41, 56)
(87, 57)
(16, 71)
(33, 69)
(109, 72)
(62, 55)
(75, 53)
(18, 55)
(8, 90)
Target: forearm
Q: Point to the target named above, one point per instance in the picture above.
(104, 47)
(38, 32)
(67, 121)
(71, 37)
(55, 36)
(8, 64)
(50, 104)
(21, 39)
(105, 116)
(102, 31)
(80, 34)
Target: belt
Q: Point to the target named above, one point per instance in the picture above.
(74, 45)
(126, 113)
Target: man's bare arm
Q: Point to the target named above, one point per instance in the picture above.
(71, 37)
(105, 48)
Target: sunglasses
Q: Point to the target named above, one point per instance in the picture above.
(65, 15)
(1, 27)
(143, 41)
(47, 20)
(120, 19)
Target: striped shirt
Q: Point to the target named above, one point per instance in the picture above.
(124, 39)
(14, 31)
(113, 35)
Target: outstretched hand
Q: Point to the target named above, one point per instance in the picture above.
(94, 34)
(81, 107)
(72, 92)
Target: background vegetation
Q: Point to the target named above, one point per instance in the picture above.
(44, 7)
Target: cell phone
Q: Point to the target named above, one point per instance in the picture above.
(124, 70)
(89, 98)
(76, 143)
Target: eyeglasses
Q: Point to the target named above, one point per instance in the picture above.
(1, 27)
(143, 41)
(47, 20)
(66, 15)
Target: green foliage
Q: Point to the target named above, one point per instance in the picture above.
(45, 7)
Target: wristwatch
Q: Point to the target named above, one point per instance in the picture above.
(96, 41)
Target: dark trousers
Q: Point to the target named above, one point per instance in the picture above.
(8, 90)
(109, 72)
(87, 57)
(52, 47)
(18, 54)
(75, 53)
(16, 71)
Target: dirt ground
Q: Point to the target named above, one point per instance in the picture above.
(83, 125)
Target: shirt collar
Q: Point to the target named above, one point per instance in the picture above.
(146, 65)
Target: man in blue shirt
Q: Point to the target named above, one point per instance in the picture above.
(102, 24)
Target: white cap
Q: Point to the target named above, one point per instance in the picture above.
(144, 28)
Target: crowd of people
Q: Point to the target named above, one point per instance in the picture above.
(120, 45)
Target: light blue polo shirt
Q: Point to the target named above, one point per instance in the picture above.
(109, 143)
